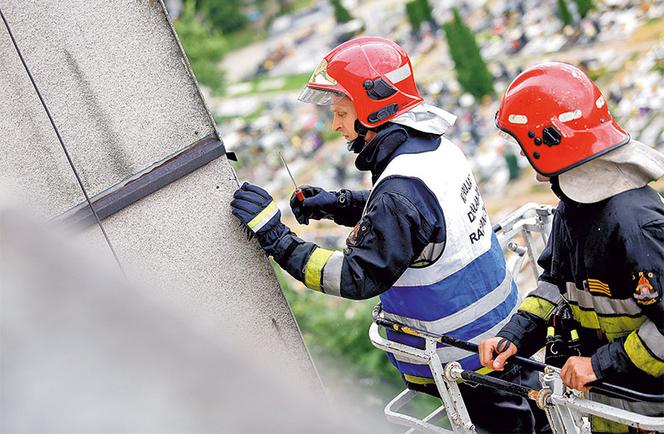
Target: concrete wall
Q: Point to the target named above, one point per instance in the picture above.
(120, 90)
(92, 353)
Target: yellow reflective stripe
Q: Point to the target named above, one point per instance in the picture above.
(641, 357)
(417, 380)
(614, 327)
(598, 425)
(420, 264)
(574, 334)
(271, 208)
(586, 318)
(314, 268)
(538, 306)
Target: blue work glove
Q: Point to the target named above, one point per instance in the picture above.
(258, 212)
(317, 204)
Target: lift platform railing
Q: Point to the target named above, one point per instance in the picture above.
(522, 235)
(564, 407)
(599, 386)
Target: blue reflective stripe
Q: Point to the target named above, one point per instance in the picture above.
(485, 322)
(477, 327)
(468, 332)
(455, 292)
(471, 362)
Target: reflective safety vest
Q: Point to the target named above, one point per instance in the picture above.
(460, 288)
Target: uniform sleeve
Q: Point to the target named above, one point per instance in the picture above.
(527, 328)
(642, 351)
(349, 213)
(388, 238)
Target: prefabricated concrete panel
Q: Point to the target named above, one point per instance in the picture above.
(185, 236)
(121, 93)
(116, 83)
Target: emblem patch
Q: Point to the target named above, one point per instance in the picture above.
(359, 231)
(352, 237)
(645, 293)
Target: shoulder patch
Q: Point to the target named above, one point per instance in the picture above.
(645, 293)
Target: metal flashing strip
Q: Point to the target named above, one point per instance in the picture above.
(145, 182)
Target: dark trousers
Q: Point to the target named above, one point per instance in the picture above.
(495, 411)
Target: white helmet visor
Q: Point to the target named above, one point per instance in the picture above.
(319, 96)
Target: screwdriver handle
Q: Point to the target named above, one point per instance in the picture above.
(299, 194)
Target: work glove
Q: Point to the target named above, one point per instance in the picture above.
(258, 213)
(317, 204)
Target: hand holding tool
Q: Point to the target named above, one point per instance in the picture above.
(298, 190)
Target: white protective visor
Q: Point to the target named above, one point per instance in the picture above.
(319, 96)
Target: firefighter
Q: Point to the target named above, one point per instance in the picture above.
(604, 260)
(421, 238)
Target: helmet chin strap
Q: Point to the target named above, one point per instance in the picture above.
(356, 145)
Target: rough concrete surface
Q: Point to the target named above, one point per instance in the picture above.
(116, 83)
(184, 238)
(114, 77)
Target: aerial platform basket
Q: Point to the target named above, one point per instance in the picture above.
(522, 235)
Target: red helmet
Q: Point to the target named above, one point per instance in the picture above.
(559, 117)
(374, 73)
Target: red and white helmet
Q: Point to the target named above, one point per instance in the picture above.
(374, 73)
(559, 117)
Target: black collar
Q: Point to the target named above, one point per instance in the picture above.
(392, 141)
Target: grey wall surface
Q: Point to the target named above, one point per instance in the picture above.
(120, 90)
(92, 354)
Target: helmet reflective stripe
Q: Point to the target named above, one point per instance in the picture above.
(559, 117)
(374, 73)
(399, 74)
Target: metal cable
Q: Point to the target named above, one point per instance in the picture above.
(62, 143)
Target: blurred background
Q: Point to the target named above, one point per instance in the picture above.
(253, 57)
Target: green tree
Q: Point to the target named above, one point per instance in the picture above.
(584, 6)
(418, 12)
(425, 10)
(341, 14)
(338, 329)
(414, 15)
(203, 45)
(471, 71)
(224, 15)
(564, 13)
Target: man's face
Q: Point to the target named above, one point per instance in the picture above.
(344, 118)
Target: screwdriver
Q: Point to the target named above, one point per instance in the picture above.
(298, 190)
